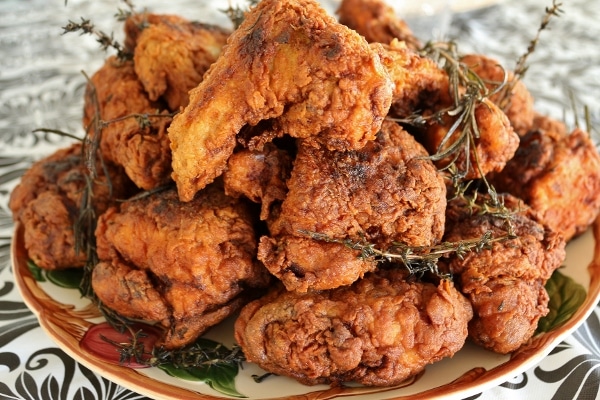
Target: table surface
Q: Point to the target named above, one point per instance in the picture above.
(41, 85)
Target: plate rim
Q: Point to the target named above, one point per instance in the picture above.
(521, 360)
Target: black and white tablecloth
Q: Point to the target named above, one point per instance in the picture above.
(41, 85)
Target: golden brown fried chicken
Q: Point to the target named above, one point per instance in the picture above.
(117, 101)
(377, 332)
(557, 174)
(376, 21)
(494, 141)
(137, 22)
(288, 61)
(505, 282)
(171, 58)
(419, 83)
(185, 265)
(48, 201)
(517, 104)
(386, 192)
(259, 176)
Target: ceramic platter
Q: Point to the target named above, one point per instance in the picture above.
(66, 317)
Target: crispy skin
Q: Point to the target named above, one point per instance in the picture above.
(556, 173)
(136, 23)
(419, 83)
(376, 21)
(143, 150)
(505, 283)
(171, 58)
(47, 202)
(259, 176)
(194, 261)
(290, 61)
(377, 332)
(495, 146)
(519, 102)
(385, 192)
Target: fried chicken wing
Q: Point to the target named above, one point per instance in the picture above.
(556, 173)
(377, 332)
(114, 99)
(171, 58)
(377, 22)
(386, 192)
(192, 264)
(505, 282)
(291, 62)
(48, 201)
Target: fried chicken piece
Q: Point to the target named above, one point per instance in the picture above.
(259, 176)
(419, 83)
(557, 174)
(505, 282)
(288, 61)
(518, 104)
(171, 58)
(48, 201)
(116, 97)
(185, 265)
(377, 332)
(495, 145)
(386, 192)
(137, 22)
(377, 22)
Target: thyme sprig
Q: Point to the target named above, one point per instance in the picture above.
(521, 65)
(416, 259)
(86, 27)
(192, 356)
(468, 91)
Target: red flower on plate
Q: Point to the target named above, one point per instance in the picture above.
(105, 342)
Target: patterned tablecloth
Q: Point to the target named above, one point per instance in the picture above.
(41, 85)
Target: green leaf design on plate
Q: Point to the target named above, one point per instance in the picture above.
(566, 296)
(66, 278)
(219, 375)
(36, 272)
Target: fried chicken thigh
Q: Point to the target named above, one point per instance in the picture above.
(48, 202)
(113, 98)
(379, 331)
(185, 265)
(557, 174)
(289, 61)
(505, 282)
(386, 192)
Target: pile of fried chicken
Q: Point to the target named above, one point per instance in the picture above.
(270, 159)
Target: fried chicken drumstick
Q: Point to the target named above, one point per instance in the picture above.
(291, 61)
